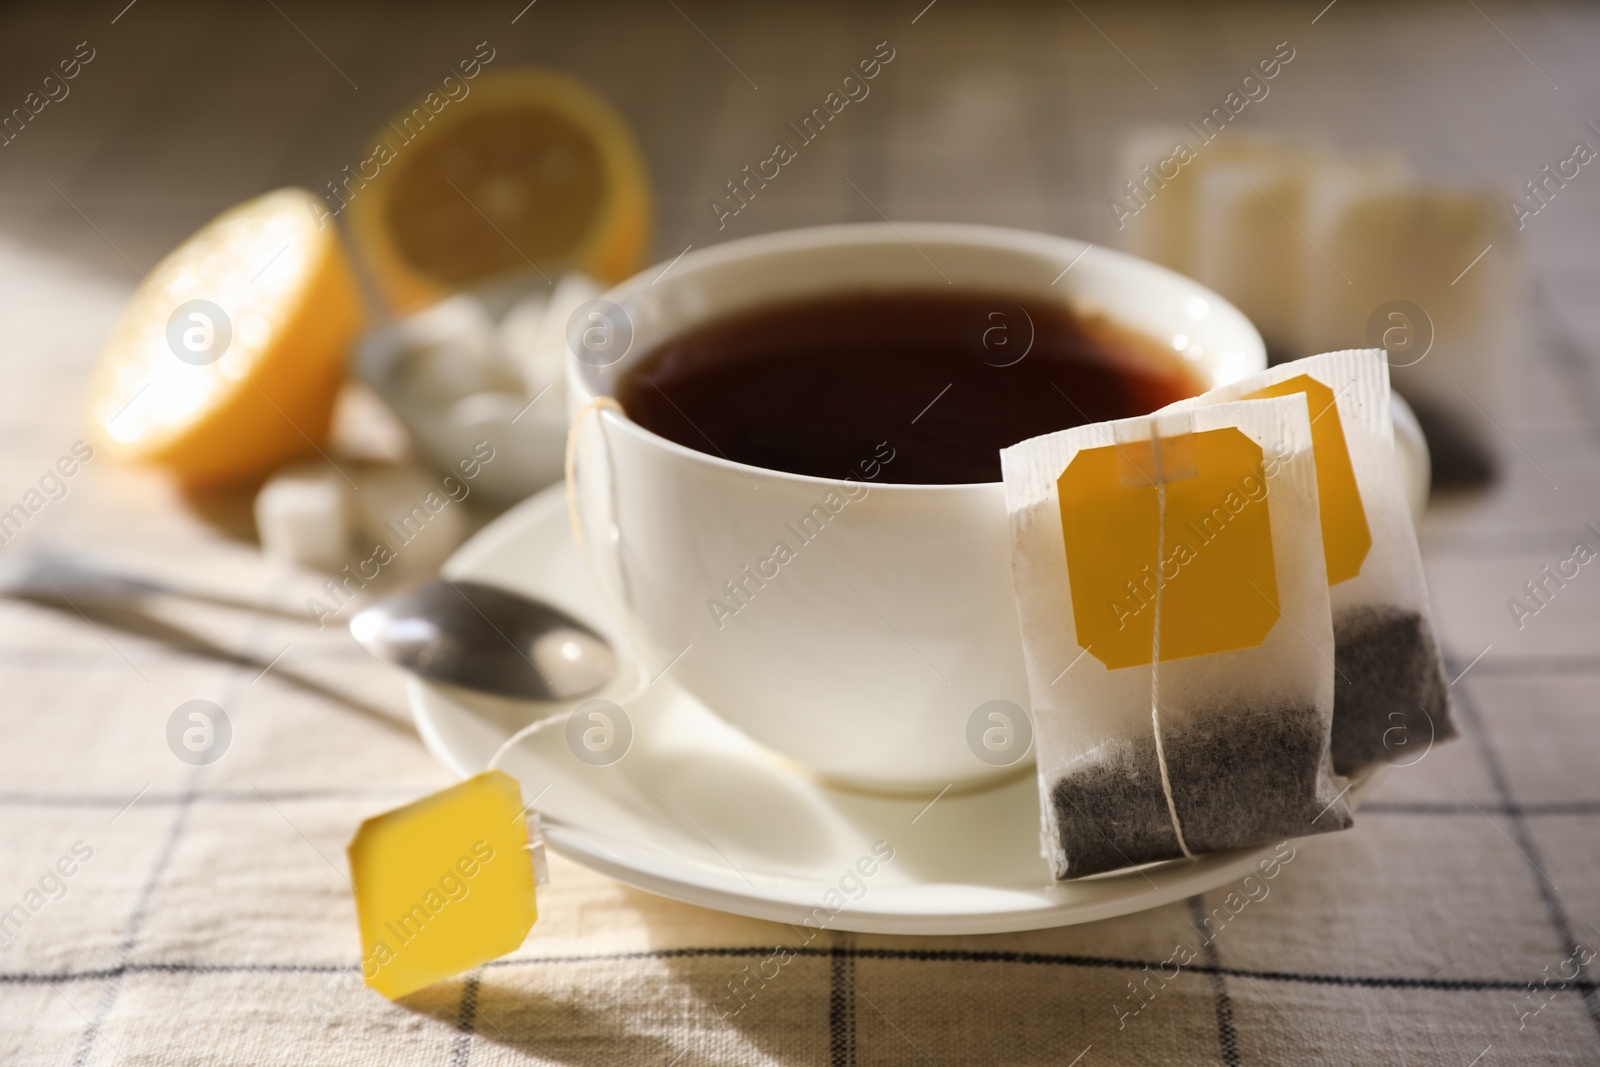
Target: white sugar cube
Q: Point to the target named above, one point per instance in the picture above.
(416, 516)
(534, 335)
(301, 517)
(570, 293)
(521, 334)
(451, 350)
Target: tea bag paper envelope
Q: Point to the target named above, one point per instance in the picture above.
(443, 884)
(1391, 701)
(1175, 626)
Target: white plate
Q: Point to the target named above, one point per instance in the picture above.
(697, 812)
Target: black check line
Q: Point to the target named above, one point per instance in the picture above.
(158, 869)
(841, 1005)
(1031, 959)
(1557, 913)
(85, 1018)
(1227, 1036)
(466, 1016)
(477, 1014)
(1559, 808)
(141, 908)
(1525, 666)
(886, 1019)
(1289, 1021)
(130, 803)
(1507, 840)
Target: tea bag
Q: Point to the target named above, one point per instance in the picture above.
(1176, 630)
(1390, 696)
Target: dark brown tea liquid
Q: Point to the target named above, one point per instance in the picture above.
(948, 379)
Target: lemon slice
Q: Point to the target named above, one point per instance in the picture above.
(529, 171)
(229, 357)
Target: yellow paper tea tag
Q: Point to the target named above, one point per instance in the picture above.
(443, 884)
(1346, 538)
(1190, 524)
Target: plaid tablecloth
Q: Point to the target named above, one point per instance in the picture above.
(206, 917)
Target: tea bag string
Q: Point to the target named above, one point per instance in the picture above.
(569, 468)
(616, 598)
(1155, 640)
(575, 518)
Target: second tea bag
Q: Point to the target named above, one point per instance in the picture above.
(1176, 630)
(1390, 697)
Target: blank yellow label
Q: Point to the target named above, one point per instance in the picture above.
(1346, 540)
(1211, 559)
(443, 884)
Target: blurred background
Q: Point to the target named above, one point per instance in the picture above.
(1033, 116)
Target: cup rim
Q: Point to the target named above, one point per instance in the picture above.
(581, 376)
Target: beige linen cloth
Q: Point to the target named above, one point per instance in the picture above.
(207, 918)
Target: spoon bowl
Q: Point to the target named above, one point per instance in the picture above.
(482, 638)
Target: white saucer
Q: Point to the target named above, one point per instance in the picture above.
(697, 812)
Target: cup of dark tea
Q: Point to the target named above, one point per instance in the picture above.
(786, 472)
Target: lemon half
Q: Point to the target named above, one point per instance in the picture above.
(529, 171)
(229, 357)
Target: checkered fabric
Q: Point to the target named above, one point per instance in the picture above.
(206, 918)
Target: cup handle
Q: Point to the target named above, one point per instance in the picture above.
(1411, 449)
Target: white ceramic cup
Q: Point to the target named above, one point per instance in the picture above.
(865, 655)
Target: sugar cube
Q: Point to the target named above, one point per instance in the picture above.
(412, 513)
(301, 517)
